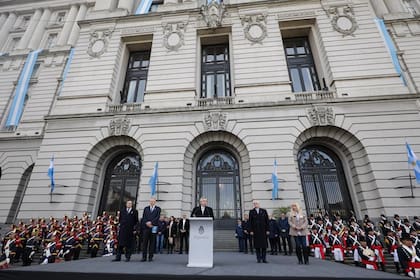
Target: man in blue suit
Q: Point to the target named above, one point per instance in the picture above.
(150, 223)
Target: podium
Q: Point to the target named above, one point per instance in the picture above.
(201, 242)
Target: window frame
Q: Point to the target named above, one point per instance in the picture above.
(135, 73)
(215, 68)
(299, 61)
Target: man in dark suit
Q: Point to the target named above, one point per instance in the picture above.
(128, 218)
(150, 223)
(203, 210)
(184, 230)
(259, 229)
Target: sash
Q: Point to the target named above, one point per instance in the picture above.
(321, 249)
(381, 252)
(372, 263)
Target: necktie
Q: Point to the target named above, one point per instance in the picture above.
(128, 210)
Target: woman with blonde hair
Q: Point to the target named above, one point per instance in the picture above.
(299, 230)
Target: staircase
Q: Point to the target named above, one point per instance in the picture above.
(348, 260)
(224, 240)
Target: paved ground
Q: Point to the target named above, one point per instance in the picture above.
(225, 264)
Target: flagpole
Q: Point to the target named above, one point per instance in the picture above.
(411, 184)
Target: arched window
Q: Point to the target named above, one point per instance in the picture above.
(121, 182)
(323, 181)
(20, 193)
(218, 181)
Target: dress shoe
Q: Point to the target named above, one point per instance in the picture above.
(127, 260)
(150, 259)
(265, 261)
(116, 260)
(143, 260)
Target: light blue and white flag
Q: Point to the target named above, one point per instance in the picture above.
(275, 180)
(414, 162)
(16, 110)
(66, 70)
(391, 47)
(154, 180)
(209, 1)
(51, 174)
(144, 7)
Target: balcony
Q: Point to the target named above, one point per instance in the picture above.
(127, 107)
(228, 100)
(314, 95)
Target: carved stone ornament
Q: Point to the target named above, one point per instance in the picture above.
(343, 20)
(120, 126)
(321, 115)
(98, 42)
(255, 27)
(213, 13)
(215, 121)
(173, 35)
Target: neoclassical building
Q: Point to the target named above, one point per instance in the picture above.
(214, 93)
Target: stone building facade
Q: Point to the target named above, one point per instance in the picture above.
(214, 93)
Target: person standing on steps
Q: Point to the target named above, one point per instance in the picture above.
(128, 218)
(259, 230)
(299, 230)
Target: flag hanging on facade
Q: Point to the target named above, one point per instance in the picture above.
(391, 47)
(414, 162)
(154, 180)
(144, 7)
(16, 109)
(275, 180)
(66, 70)
(51, 174)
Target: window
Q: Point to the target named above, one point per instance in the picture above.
(136, 78)
(215, 71)
(155, 5)
(301, 65)
(412, 7)
(13, 43)
(61, 16)
(51, 40)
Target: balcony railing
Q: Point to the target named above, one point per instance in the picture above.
(314, 95)
(215, 101)
(128, 107)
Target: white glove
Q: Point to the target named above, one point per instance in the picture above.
(411, 274)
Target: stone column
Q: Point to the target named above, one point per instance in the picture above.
(68, 26)
(395, 6)
(74, 34)
(23, 44)
(5, 28)
(380, 8)
(3, 18)
(126, 4)
(40, 29)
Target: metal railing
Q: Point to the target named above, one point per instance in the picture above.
(127, 107)
(215, 101)
(314, 95)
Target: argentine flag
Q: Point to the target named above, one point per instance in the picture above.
(51, 173)
(144, 7)
(414, 162)
(153, 180)
(275, 180)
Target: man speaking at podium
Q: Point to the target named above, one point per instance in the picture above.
(203, 210)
